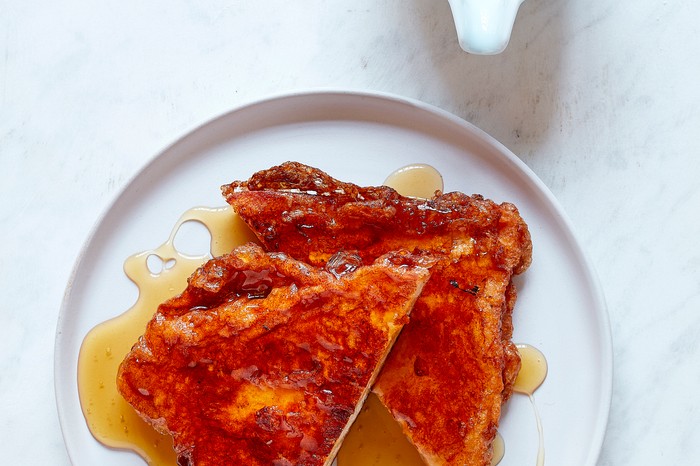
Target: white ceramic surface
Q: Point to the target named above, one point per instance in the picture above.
(362, 138)
(484, 26)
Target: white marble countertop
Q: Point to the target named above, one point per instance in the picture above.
(601, 100)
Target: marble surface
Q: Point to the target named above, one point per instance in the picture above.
(600, 99)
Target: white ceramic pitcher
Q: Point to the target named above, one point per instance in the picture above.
(484, 26)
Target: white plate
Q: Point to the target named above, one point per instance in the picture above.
(361, 138)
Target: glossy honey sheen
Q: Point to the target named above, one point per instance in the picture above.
(375, 439)
(111, 420)
(533, 371)
(416, 180)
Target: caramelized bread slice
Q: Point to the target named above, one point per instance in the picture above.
(264, 360)
(454, 364)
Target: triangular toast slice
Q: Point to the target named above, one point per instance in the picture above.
(264, 360)
(454, 364)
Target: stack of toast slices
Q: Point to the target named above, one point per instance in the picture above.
(267, 356)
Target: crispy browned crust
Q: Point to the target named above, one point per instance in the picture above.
(454, 364)
(512, 357)
(264, 360)
(307, 213)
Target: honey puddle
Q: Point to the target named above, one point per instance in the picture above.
(499, 449)
(375, 439)
(533, 371)
(416, 180)
(110, 418)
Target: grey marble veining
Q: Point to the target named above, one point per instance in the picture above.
(600, 99)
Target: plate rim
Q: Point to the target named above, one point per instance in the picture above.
(597, 294)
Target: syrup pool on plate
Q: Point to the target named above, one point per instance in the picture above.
(159, 275)
(533, 371)
(416, 180)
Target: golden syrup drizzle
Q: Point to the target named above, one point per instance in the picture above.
(499, 449)
(416, 180)
(375, 439)
(533, 371)
(110, 418)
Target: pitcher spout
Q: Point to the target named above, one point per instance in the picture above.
(484, 26)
